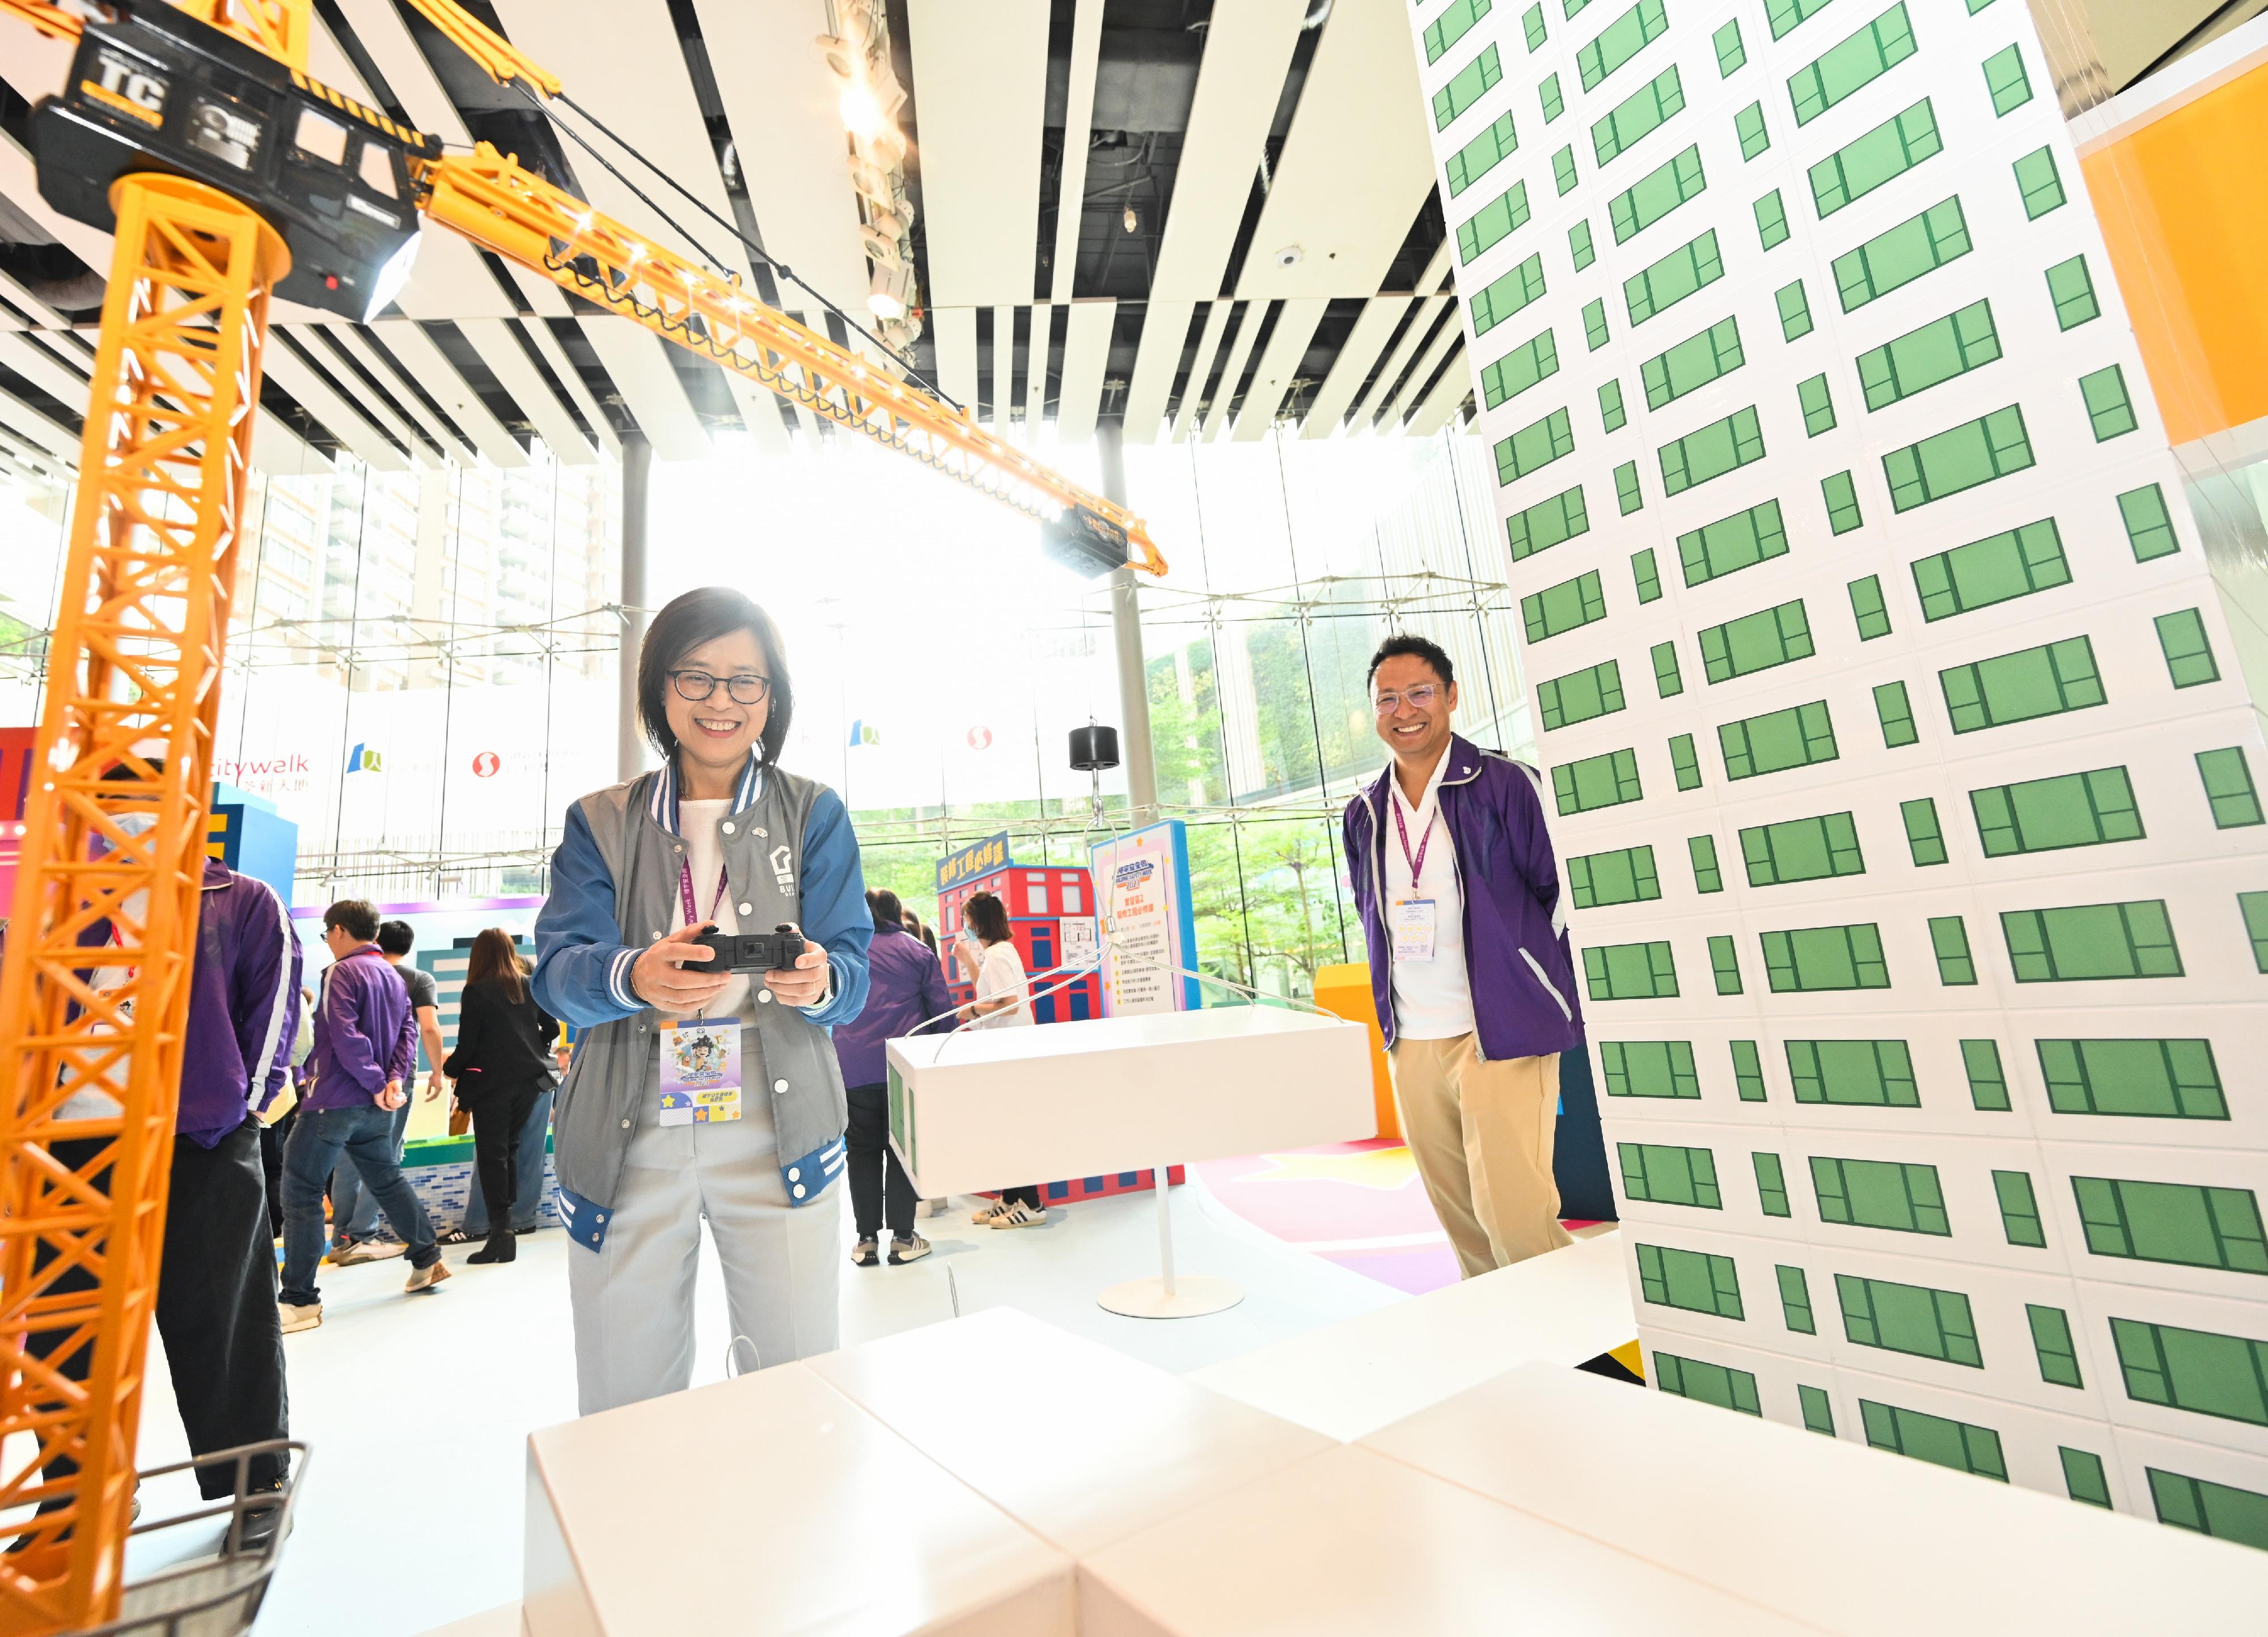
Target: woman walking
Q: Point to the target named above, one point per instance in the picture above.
(905, 991)
(989, 961)
(501, 1064)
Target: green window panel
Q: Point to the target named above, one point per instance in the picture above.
(1642, 570)
(2189, 655)
(1851, 64)
(2228, 788)
(1470, 83)
(2253, 906)
(1898, 255)
(1570, 7)
(1749, 126)
(1909, 1318)
(1794, 311)
(1710, 1383)
(1988, 1082)
(1534, 446)
(1733, 544)
(2110, 411)
(1657, 288)
(1650, 1068)
(2186, 1224)
(1621, 41)
(1656, 194)
(1802, 850)
(2149, 527)
(2087, 942)
(1658, 1175)
(1731, 55)
(1890, 149)
(2023, 686)
(1630, 497)
(1480, 156)
(1948, 941)
(2037, 184)
(1611, 414)
(1795, 1300)
(1548, 94)
(1756, 641)
(1870, 612)
(1691, 1279)
(1531, 23)
(1668, 681)
(1856, 1074)
(1594, 328)
(1598, 781)
(2045, 814)
(1582, 695)
(1489, 224)
(2051, 1341)
(2219, 1510)
(1818, 1411)
(1933, 1438)
(2196, 1370)
(1719, 448)
(1975, 6)
(1772, 220)
(1800, 736)
(1818, 406)
(1924, 839)
(2083, 1477)
(1535, 359)
(1685, 763)
(1998, 568)
(1635, 115)
(1930, 355)
(1786, 14)
(1498, 299)
(2005, 79)
(1842, 496)
(1643, 971)
(1748, 1068)
(1550, 521)
(1567, 605)
(1702, 850)
(1880, 1193)
(1625, 876)
(1957, 459)
(1562, 171)
(1454, 23)
(1807, 960)
(2142, 1078)
(2072, 291)
(1772, 1184)
(2020, 1211)
(1692, 363)
(1579, 247)
(1725, 964)
(1895, 713)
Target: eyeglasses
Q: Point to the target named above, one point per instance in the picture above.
(1418, 698)
(699, 685)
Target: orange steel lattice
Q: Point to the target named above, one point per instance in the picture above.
(115, 832)
(278, 27)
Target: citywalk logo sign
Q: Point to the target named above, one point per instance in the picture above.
(363, 759)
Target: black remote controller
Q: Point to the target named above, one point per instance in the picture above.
(775, 951)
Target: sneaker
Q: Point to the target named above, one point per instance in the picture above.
(299, 1316)
(426, 1277)
(912, 1248)
(261, 1520)
(863, 1254)
(359, 1250)
(998, 1207)
(1021, 1215)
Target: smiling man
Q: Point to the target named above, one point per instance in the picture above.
(1459, 894)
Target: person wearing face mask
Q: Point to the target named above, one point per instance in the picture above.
(696, 1093)
(1458, 892)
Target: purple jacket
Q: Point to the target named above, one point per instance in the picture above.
(1516, 956)
(365, 1034)
(905, 987)
(244, 1006)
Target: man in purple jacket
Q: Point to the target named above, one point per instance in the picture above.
(366, 1044)
(1459, 894)
(905, 988)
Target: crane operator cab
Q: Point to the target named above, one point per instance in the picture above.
(153, 89)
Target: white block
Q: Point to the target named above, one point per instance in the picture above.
(992, 1107)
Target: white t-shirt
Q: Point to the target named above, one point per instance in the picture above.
(697, 821)
(1433, 999)
(1002, 974)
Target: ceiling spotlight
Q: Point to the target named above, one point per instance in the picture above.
(882, 301)
(861, 116)
(1289, 255)
(1131, 220)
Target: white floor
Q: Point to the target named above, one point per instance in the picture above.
(416, 1407)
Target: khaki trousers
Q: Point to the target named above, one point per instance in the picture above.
(1481, 1133)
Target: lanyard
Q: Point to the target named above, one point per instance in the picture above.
(693, 916)
(1424, 840)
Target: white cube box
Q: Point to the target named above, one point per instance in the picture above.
(986, 1108)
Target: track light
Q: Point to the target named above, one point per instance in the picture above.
(1131, 220)
(861, 116)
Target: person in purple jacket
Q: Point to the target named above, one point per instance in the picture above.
(365, 1045)
(906, 997)
(1459, 896)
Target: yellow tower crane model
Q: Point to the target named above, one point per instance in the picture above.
(192, 131)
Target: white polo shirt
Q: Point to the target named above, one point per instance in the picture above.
(1433, 999)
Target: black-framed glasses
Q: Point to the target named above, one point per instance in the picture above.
(698, 685)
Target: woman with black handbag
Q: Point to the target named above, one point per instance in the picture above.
(501, 1064)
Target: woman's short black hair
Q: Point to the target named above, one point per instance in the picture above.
(1416, 647)
(889, 914)
(688, 622)
(987, 918)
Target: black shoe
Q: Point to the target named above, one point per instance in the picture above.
(500, 1248)
(257, 1524)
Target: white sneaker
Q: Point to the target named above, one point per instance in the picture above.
(998, 1207)
(1021, 1215)
(863, 1254)
(426, 1277)
(369, 1250)
(297, 1315)
(913, 1248)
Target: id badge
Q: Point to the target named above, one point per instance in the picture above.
(700, 1072)
(1413, 929)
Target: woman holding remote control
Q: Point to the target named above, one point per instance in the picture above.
(697, 1093)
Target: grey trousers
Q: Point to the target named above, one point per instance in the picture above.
(633, 1296)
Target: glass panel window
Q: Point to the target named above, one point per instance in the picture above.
(1598, 781)
(2189, 655)
(2083, 1477)
(1582, 695)
(1500, 299)
(2186, 1224)
(1562, 171)
(1668, 680)
(2110, 411)
(1731, 544)
(1641, 972)
(1888, 1194)
(2005, 79)
(1772, 1184)
(1771, 221)
(2253, 906)
(1842, 496)
(1794, 312)
(2149, 527)
(1858, 1074)
(1924, 838)
(1724, 964)
(1656, 194)
(1454, 23)
(1727, 1388)
(1988, 1082)
(1957, 459)
(2092, 942)
(2051, 1341)
(1480, 156)
(1800, 736)
(1756, 641)
(1957, 1444)
(2148, 1079)
(1817, 404)
(1896, 257)
(1649, 1068)
(2045, 815)
(1641, 112)
(2228, 788)
(2015, 563)
(1868, 611)
(1935, 353)
(1719, 448)
(1621, 41)
(2210, 1508)
(1625, 876)
(1818, 1410)
(1656, 289)
(1702, 850)
(2021, 687)
(1579, 247)
(1749, 126)
(1654, 1174)
(1851, 64)
(1644, 575)
(2037, 184)
(1685, 763)
(1895, 713)
(1612, 415)
(2072, 291)
(1730, 53)
(1548, 95)
(1594, 328)
(1795, 1300)
(1809, 959)
(2019, 1209)
(1490, 225)
(1531, 24)
(1534, 446)
(1786, 14)
(2196, 1370)
(1909, 1318)
(1568, 606)
(1691, 1279)
(1692, 363)
(1470, 83)
(1888, 151)
(1748, 1072)
(1533, 360)
(1547, 523)
(1801, 850)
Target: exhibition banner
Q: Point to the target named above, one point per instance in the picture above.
(1149, 932)
(978, 858)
